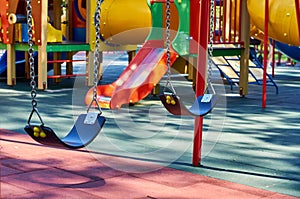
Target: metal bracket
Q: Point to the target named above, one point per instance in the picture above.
(206, 98)
(91, 118)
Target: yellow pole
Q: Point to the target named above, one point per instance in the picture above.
(42, 49)
(90, 39)
(245, 35)
(11, 65)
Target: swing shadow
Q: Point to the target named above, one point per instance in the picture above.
(235, 171)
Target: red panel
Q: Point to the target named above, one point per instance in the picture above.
(4, 21)
(297, 4)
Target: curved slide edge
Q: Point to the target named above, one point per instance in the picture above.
(290, 51)
(20, 61)
(136, 81)
(143, 80)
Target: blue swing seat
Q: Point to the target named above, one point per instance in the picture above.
(202, 105)
(80, 135)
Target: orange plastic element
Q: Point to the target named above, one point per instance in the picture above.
(256, 32)
(136, 81)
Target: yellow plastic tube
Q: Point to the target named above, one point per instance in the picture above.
(282, 19)
(125, 22)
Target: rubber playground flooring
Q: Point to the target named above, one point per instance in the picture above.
(143, 152)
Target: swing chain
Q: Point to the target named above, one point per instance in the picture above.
(96, 56)
(30, 52)
(31, 63)
(211, 40)
(168, 44)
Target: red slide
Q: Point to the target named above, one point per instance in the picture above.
(137, 80)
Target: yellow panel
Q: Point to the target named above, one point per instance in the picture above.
(53, 35)
(91, 32)
(121, 16)
(283, 20)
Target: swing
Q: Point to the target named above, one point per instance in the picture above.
(204, 103)
(88, 125)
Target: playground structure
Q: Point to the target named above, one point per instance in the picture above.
(67, 30)
(229, 69)
(74, 24)
(88, 125)
(231, 37)
(189, 20)
(184, 44)
(283, 19)
(228, 30)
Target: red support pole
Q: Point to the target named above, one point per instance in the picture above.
(235, 21)
(297, 4)
(240, 21)
(230, 20)
(215, 19)
(201, 72)
(224, 20)
(220, 21)
(266, 38)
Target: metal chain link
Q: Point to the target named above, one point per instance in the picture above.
(97, 52)
(30, 52)
(31, 63)
(168, 44)
(210, 47)
(96, 55)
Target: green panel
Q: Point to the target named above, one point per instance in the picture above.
(224, 52)
(67, 47)
(23, 47)
(181, 43)
(2, 46)
(157, 21)
(57, 47)
(227, 51)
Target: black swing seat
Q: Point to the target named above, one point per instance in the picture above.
(202, 105)
(80, 135)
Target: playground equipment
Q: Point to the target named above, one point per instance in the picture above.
(144, 71)
(230, 33)
(136, 81)
(229, 67)
(190, 20)
(122, 16)
(13, 39)
(74, 24)
(204, 103)
(291, 51)
(149, 64)
(87, 125)
(20, 62)
(283, 23)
